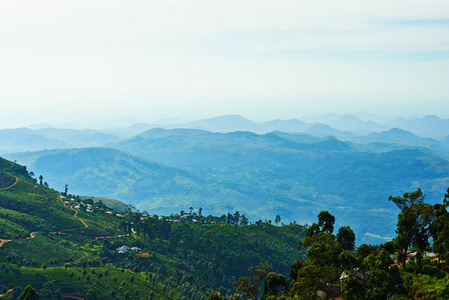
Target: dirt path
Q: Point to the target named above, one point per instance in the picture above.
(2, 242)
(213, 229)
(118, 289)
(62, 231)
(75, 215)
(71, 296)
(8, 187)
(112, 236)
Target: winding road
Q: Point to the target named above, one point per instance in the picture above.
(8, 187)
(62, 231)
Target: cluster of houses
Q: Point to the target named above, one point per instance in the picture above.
(411, 256)
(111, 213)
(182, 219)
(123, 249)
(364, 274)
(88, 208)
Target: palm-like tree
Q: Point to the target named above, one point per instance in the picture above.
(131, 280)
(25, 264)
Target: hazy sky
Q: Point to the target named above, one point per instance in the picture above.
(94, 61)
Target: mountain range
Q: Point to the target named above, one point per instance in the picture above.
(344, 127)
(294, 175)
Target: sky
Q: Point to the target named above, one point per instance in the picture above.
(92, 62)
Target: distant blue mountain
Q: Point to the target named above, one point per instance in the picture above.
(21, 139)
(402, 137)
(427, 126)
(355, 125)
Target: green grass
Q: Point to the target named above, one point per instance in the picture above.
(189, 259)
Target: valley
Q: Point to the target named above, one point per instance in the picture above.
(203, 207)
(291, 174)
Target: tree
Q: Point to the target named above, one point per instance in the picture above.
(229, 219)
(200, 211)
(29, 294)
(274, 285)
(413, 224)
(310, 279)
(244, 220)
(353, 288)
(131, 281)
(251, 285)
(346, 238)
(44, 267)
(25, 264)
(41, 178)
(236, 217)
(385, 279)
(295, 267)
(325, 224)
(326, 221)
(277, 220)
(439, 229)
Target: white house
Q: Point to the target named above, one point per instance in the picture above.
(122, 249)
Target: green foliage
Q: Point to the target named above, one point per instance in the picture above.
(251, 285)
(353, 288)
(385, 279)
(187, 260)
(215, 296)
(414, 222)
(427, 287)
(74, 259)
(29, 294)
(274, 285)
(439, 229)
(346, 238)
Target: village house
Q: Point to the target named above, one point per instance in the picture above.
(122, 249)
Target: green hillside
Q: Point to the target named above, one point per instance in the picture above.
(66, 247)
(60, 249)
(26, 206)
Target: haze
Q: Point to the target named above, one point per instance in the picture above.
(90, 62)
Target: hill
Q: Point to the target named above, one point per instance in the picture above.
(72, 251)
(79, 138)
(26, 206)
(355, 125)
(24, 139)
(427, 126)
(108, 172)
(292, 175)
(402, 137)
